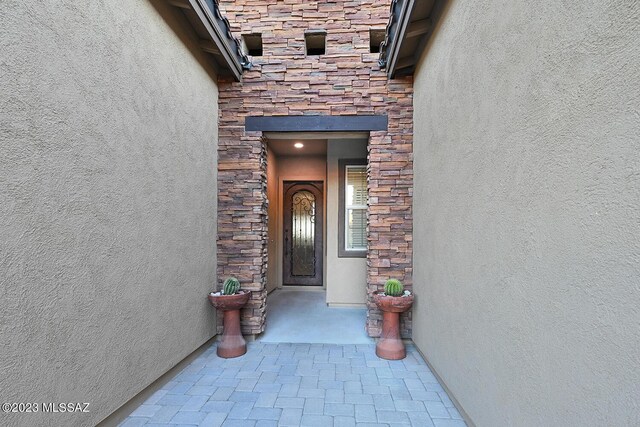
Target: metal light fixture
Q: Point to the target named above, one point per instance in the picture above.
(298, 145)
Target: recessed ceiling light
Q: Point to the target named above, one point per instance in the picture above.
(298, 145)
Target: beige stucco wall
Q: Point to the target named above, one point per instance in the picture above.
(272, 246)
(527, 211)
(107, 203)
(346, 278)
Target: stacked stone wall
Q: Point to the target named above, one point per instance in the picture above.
(346, 80)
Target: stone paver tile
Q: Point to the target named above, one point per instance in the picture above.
(445, 399)
(164, 414)
(437, 410)
(376, 389)
(399, 393)
(222, 393)
(267, 387)
(414, 384)
(384, 373)
(363, 399)
(309, 382)
(289, 402)
(289, 390)
(266, 423)
(334, 396)
(188, 417)
(227, 382)
(265, 414)
(344, 422)
(369, 379)
(217, 406)
(173, 400)
(201, 390)
(310, 420)
(133, 422)
(449, 423)
(238, 423)
(266, 400)
(267, 378)
(194, 403)
(377, 363)
(330, 385)
(365, 413)
(409, 406)
(313, 406)
(247, 384)
(424, 395)
(392, 417)
(371, 425)
(311, 392)
(352, 387)
(454, 413)
(229, 373)
(244, 396)
(346, 409)
(290, 417)
(420, 419)
(214, 419)
(153, 399)
(240, 410)
(383, 403)
(146, 410)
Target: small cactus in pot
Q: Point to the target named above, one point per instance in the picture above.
(231, 286)
(230, 300)
(393, 301)
(393, 288)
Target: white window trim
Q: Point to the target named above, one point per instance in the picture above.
(351, 207)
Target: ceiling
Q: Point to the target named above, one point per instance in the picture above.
(312, 147)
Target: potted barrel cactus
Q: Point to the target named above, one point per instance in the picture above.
(230, 300)
(393, 301)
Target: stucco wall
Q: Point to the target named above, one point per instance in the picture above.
(272, 246)
(346, 277)
(527, 211)
(107, 204)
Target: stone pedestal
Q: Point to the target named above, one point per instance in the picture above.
(390, 345)
(232, 343)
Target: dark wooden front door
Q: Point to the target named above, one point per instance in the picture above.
(303, 250)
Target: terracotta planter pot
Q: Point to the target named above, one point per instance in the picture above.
(390, 345)
(232, 343)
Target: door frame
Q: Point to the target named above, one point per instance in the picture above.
(317, 188)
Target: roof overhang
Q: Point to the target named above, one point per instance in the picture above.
(410, 26)
(214, 34)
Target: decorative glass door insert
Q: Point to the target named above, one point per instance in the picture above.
(302, 233)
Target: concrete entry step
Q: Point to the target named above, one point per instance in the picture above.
(301, 316)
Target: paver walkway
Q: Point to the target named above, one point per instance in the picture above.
(301, 385)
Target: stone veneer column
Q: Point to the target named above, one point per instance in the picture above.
(390, 181)
(242, 219)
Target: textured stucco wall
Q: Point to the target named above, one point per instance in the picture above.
(272, 246)
(346, 277)
(107, 203)
(527, 211)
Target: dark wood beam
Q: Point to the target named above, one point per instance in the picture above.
(360, 123)
(418, 28)
(182, 4)
(405, 62)
(209, 47)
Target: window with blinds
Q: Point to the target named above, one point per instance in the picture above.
(355, 214)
